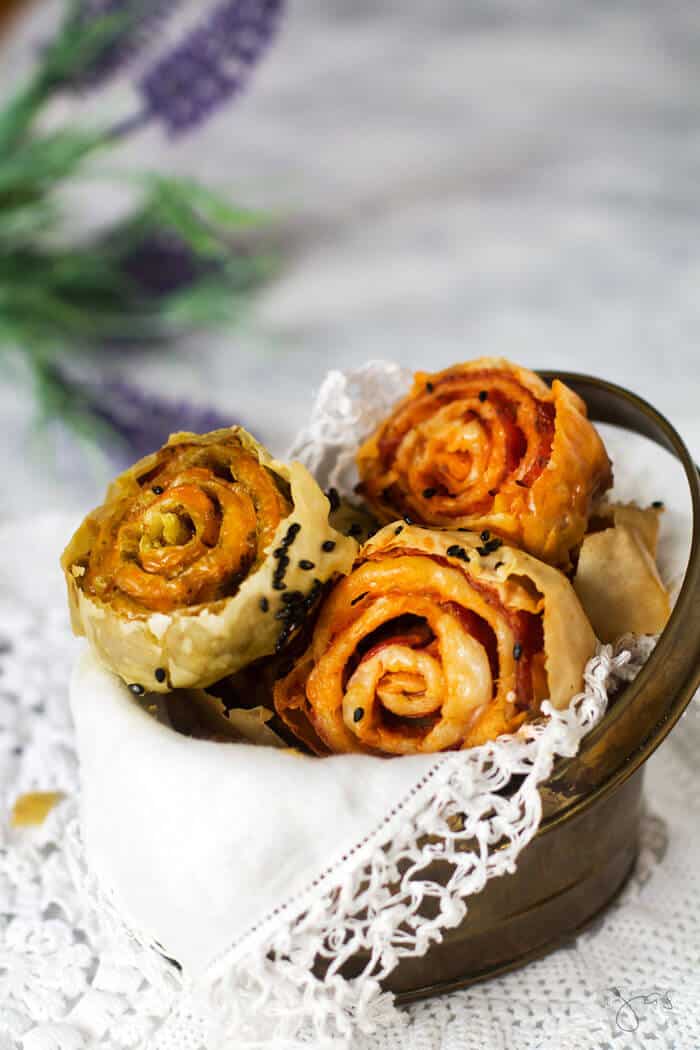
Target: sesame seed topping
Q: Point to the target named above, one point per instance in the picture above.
(398, 529)
(306, 564)
(264, 604)
(490, 546)
(658, 503)
(359, 598)
(328, 545)
(429, 387)
(455, 551)
(409, 521)
(521, 483)
(291, 534)
(358, 714)
(429, 493)
(292, 597)
(485, 535)
(279, 584)
(517, 651)
(137, 689)
(159, 674)
(158, 490)
(483, 395)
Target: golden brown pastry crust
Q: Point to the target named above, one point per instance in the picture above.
(488, 444)
(437, 640)
(617, 581)
(174, 579)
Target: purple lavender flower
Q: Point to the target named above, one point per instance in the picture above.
(210, 66)
(133, 422)
(143, 421)
(142, 21)
(162, 263)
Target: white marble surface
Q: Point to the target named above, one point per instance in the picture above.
(452, 179)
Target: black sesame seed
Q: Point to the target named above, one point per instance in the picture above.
(264, 604)
(279, 584)
(306, 564)
(409, 521)
(522, 484)
(291, 535)
(158, 490)
(490, 546)
(328, 545)
(159, 674)
(429, 493)
(517, 651)
(315, 590)
(333, 498)
(429, 387)
(485, 535)
(292, 596)
(493, 492)
(498, 564)
(658, 503)
(136, 689)
(279, 552)
(281, 640)
(398, 529)
(483, 395)
(455, 551)
(359, 598)
(358, 714)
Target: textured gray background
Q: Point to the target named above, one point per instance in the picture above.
(451, 179)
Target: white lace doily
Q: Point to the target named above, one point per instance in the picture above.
(71, 975)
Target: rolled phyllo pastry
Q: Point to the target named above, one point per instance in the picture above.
(437, 640)
(489, 445)
(184, 574)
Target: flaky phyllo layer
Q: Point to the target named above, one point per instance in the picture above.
(176, 579)
(488, 444)
(435, 641)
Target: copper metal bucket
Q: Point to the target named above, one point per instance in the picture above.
(587, 843)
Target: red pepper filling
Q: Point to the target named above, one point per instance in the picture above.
(452, 388)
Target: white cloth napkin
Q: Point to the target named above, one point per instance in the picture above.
(201, 839)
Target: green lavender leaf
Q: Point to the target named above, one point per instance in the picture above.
(36, 165)
(71, 51)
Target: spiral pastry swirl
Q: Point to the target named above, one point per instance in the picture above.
(176, 578)
(435, 643)
(489, 445)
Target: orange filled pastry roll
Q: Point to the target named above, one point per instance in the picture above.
(176, 578)
(437, 640)
(489, 445)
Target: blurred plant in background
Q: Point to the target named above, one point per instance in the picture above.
(181, 259)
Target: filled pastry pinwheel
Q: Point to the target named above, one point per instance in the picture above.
(176, 578)
(436, 640)
(488, 444)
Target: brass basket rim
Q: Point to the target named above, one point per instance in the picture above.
(607, 402)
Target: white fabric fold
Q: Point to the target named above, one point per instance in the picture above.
(203, 839)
